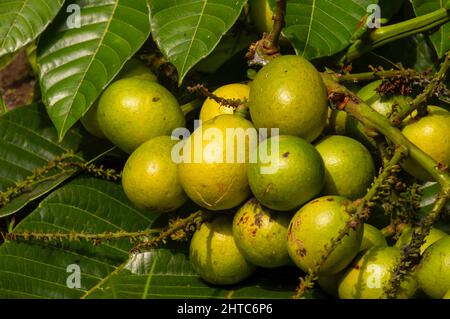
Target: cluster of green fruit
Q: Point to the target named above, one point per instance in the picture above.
(317, 181)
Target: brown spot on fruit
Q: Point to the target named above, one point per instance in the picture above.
(156, 99)
(258, 219)
(330, 199)
(285, 155)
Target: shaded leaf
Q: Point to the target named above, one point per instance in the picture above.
(319, 28)
(29, 141)
(22, 21)
(40, 269)
(77, 63)
(186, 31)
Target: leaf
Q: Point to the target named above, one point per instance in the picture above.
(28, 141)
(164, 273)
(3, 108)
(23, 21)
(186, 31)
(441, 37)
(76, 64)
(319, 28)
(40, 269)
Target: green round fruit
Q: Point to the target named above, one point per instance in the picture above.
(372, 237)
(314, 226)
(433, 271)
(349, 167)
(288, 173)
(208, 177)
(369, 275)
(428, 134)
(133, 68)
(211, 108)
(150, 177)
(131, 111)
(378, 102)
(261, 14)
(214, 255)
(260, 234)
(405, 238)
(289, 94)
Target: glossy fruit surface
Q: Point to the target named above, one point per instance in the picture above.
(369, 275)
(313, 226)
(405, 238)
(289, 172)
(260, 234)
(211, 108)
(372, 237)
(261, 14)
(214, 255)
(289, 94)
(349, 167)
(150, 177)
(133, 110)
(208, 177)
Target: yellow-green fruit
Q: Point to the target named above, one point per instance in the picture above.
(447, 295)
(381, 104)
(133, 110)
(372, 237)
(150, 177)
(133, 68)
(289, 94)
(433, 271)
(431, 135)
(349, 167)
(369, 275)
(209, 178)
(261, 14)
(214, 255)
(405, 238)
(211, 108)
(314, 226)
(260, 234)
(288, 173)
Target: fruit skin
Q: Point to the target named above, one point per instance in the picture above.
(133, 110)
(133, 68)
(372, 237)
(405, 238)
(261, 14)
(433, 271)
(211, 108)
(298, 177)
(370, 273)
(381, 104)
(447, 295)
(430, 134)
(349, 167)
(289, 94)
(260, 234)
(313, 226)
(214, 255)
(150, 177)
(212, 185)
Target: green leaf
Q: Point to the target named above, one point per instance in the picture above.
(441, 37)
(77, 63)
(3, 108)
(164, 273)
(186, 31)
(29, 141)
(22, 21)
(319, 28)
(40, 269)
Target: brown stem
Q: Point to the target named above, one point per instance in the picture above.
(278, 24)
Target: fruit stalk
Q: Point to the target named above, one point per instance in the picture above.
(350, 103)
(394, 32)
(426, 94)
(279, 23)
(359, 212)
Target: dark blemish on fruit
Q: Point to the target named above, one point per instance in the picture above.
(285, 155)
(254, 232)
(330, 199)
(156, 99)
(356, 267)
(315, 201)
(290, 230)
(301, 252)
(258, 219)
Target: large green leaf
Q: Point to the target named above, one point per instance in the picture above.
(188, 30)
(318, 28)
(28, 141)
(23, 20)
(40, 269)
(441, 37)
(163, 273)
(76, 64)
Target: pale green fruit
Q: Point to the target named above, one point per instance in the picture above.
(372, 237)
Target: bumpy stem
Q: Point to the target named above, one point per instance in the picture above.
(376, 75)
(394, 32)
